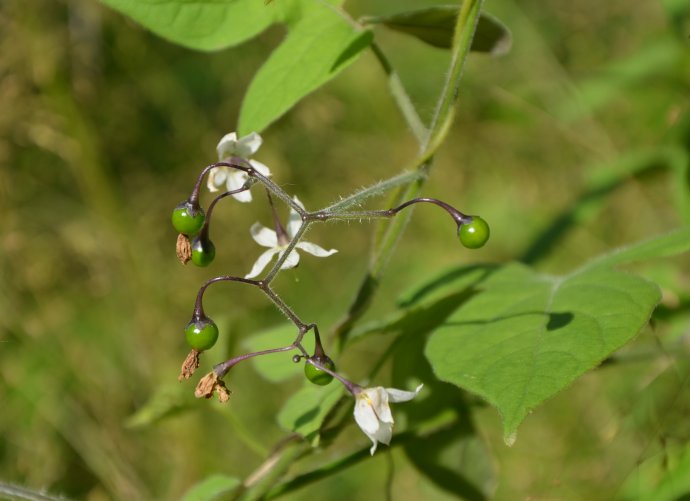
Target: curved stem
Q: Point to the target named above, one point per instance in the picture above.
(223, 368)
(457, 216)
(282, 306)
(198, 305)
(351, 387)
(234, 163)
(205, 229)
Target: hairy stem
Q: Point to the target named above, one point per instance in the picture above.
(440, 126)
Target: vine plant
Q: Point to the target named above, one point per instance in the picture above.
(506, 333)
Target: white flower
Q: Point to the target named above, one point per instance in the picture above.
(277, 244)
(234, 179)
(373, 415)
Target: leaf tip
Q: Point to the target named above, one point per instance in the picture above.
(510, 438)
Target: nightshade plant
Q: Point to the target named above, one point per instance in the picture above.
(201, 332)
(505, 332)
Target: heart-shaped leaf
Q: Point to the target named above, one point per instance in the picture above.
(528, 336)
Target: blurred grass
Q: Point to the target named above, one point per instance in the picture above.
(103, 129)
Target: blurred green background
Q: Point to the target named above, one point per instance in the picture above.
(570, 145)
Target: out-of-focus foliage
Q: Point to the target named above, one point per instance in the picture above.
(574, 143)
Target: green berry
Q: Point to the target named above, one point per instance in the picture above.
(316, 375)
(203, 252)
(186, 219)
(474, 234)
(201, 334)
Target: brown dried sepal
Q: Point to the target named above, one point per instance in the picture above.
(183, 248)
(211, 384)
(190, 364)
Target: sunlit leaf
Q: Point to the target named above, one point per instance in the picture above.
(211, 488)
(528, 336)
(436, 26)
(202, 24)
(316, 49)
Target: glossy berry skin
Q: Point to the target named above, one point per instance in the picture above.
(316, 375)
(201, 334)
(474, 234)
(203, 252)
(186, 220)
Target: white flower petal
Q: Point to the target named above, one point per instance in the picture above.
(291, 262)
(264, 236)
(315, 250)
(235, 181)
(217, 177)
(244, 196)
(396, 395)
(227, 146)
(384, 433)
(294, 220)
(248, 145)
(263, 169)
(378, 399)
(369, 419)
(294, 224)
(373, 413)
(261, 263)
(365, 416)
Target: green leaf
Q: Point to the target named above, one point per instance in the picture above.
(306, 410)
(436, 26)
(528, 336)
(276, 367)
(203, 24)
(320, 45)
(211, 488)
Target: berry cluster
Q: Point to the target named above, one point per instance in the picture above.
(192, 223)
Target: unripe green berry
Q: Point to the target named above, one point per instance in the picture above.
(186, 219)
(203, 252)
(316, 375)
(201, 334)
(474, 234)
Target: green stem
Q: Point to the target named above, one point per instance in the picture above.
(392, 230)
(462, 41)
(402, 99)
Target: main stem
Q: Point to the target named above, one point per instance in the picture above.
(391, 232)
